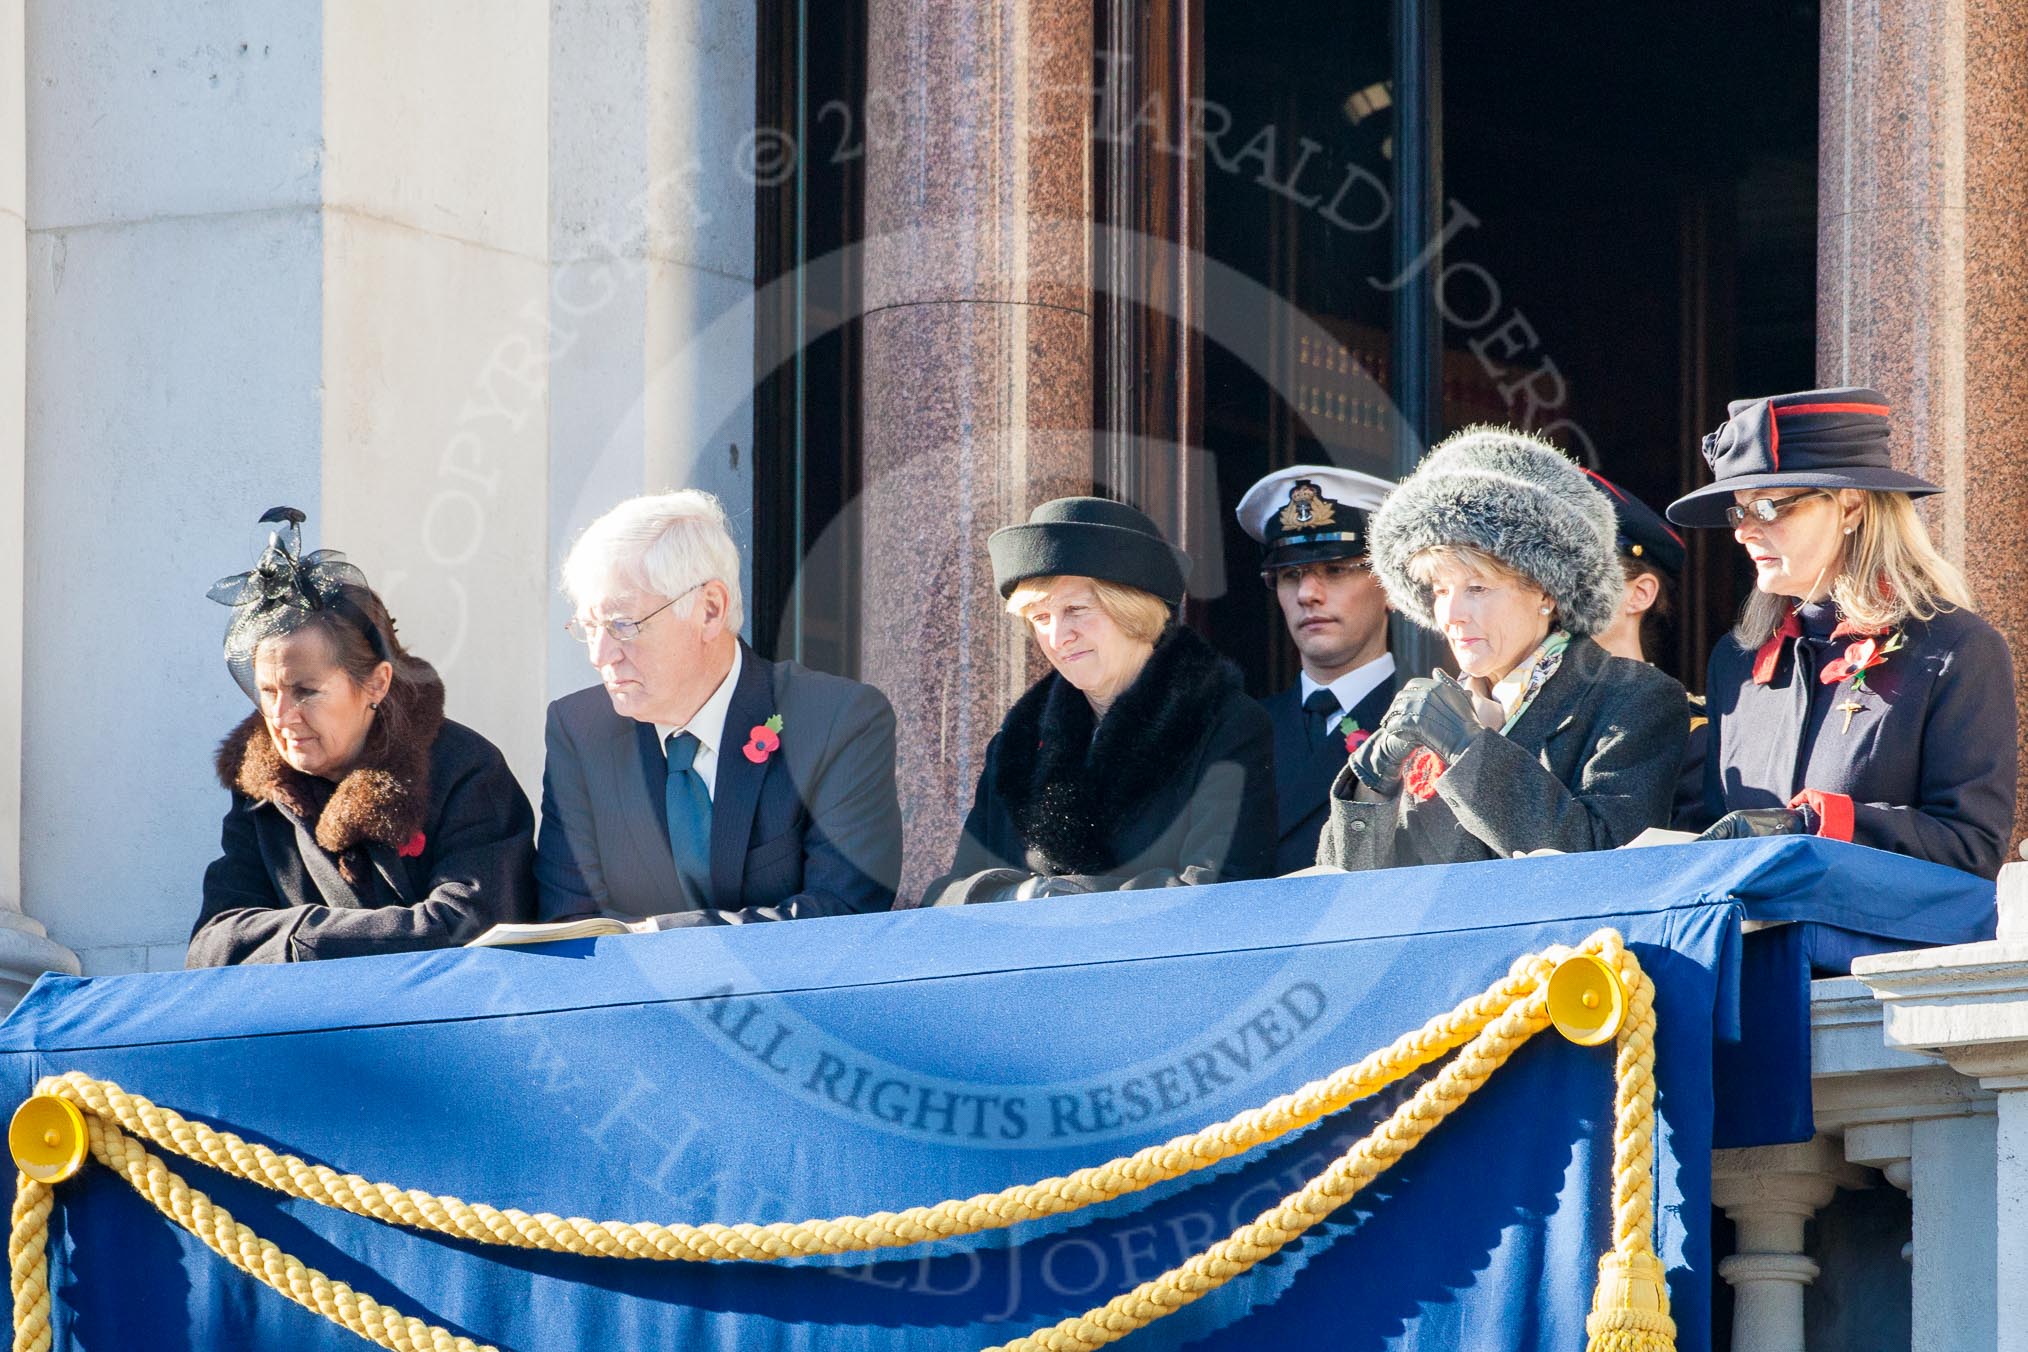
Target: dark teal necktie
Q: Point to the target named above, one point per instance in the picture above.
(689, 817)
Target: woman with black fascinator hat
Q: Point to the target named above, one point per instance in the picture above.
(362, 820)
(1858, 697)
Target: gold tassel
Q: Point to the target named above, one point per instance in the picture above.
(1630, 1308)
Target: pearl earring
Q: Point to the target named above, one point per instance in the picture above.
(1848, 530)
(1545, 610)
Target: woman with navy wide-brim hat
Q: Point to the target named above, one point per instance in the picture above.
(1858, 697)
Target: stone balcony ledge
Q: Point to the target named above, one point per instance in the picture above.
(1919, 1075)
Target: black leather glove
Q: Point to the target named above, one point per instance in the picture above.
(1438, 714)
(1754, 822)
(1379, 759)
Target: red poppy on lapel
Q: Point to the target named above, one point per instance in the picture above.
(1861, 656)
(412, 848)
(1355, 736)
(763, 740)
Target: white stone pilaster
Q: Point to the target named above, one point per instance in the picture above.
(435, 333)
(1969, 1005)
(13, 431)
(173, 302)
(1930, 1131)
(652, 251)
(1771, 1192)
(25, 949)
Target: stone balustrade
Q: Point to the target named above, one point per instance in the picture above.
(1919, 1080)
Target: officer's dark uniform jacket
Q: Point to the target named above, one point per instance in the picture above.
(1924, 765)
(1304, 771)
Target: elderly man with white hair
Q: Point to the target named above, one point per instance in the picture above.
(700, 783)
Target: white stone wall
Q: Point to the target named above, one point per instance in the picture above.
(451, 277)
(174, 287)
(13, 431)
(435, 272)
(651, 238)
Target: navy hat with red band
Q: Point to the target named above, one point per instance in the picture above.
(1642, 533)
(1812, 439)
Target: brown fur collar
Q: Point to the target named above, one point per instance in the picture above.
(384, 798)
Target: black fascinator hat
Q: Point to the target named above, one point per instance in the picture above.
(287, 590)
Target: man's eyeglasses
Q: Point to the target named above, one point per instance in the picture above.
(1768, 509)
(1330, 571)
(623, 631)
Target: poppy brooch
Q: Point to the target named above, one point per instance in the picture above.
(1861, 656)
(763, 740)
(1355, 736)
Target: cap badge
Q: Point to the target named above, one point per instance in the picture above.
(1307, 509)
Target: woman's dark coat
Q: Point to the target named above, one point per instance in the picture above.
(1175, 786)
(1927, 759)
(425, 844)
(1591, 764)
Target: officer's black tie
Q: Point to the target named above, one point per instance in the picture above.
(1320, 715)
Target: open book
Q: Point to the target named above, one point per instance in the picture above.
(1654, 835)
(584, 927)
(1659, 835)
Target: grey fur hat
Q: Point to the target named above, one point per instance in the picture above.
(1513, 496)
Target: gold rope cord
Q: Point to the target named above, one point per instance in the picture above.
(1630, 1313)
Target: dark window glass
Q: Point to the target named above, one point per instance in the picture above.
(1628, 233)
(1298, 131)
(1643, 185)
(806, 407)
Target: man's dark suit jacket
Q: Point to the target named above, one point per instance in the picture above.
(1303, 773)
(814, 830)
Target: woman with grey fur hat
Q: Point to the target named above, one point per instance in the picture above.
(1500, 543)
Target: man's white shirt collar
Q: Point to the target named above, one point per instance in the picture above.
(1355, 684)
(707, 725)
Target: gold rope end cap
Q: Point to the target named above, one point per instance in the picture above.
(1587, 1000)
(47, 1138)
(1630, 1282)
(1630, 1309)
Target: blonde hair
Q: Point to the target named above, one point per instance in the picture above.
(1141, 616)
(1889, 573)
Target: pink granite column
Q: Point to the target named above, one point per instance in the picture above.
(1921, 259)
(976, 361)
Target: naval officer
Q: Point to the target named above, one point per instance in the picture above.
(1311, 523)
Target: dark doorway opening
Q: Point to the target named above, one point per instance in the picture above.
(1628, 209)
(1644, 178)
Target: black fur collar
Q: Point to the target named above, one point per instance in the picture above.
(1069, 789)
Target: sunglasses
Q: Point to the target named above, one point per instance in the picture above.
(1769, 509)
